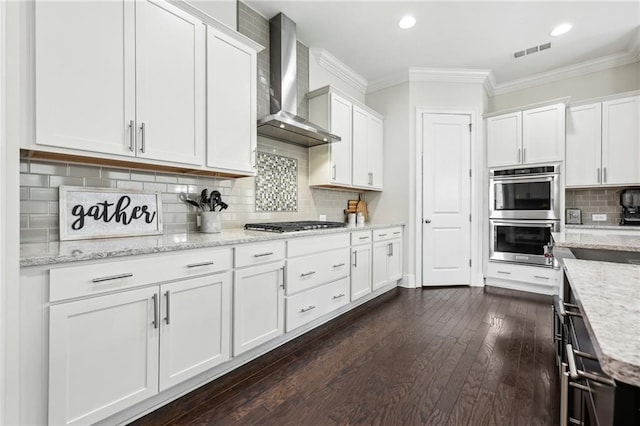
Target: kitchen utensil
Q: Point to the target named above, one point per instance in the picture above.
(184, 197)
(351, 219)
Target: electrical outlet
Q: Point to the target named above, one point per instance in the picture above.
(323, 218)
(599, 217)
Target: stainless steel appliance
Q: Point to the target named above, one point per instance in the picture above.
(630, 202)
(525, 193)
(306, 225)
(522, 241)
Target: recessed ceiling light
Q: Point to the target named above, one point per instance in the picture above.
(561, 29)
(407, 22)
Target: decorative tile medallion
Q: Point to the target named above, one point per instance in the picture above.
(276, 183)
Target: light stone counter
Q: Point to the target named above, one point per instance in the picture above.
(616, 228)
(72, 251)
(609, 298)
(617, 242)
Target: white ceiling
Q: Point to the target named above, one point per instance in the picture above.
(455, 34)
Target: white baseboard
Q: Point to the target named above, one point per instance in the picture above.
(407, 281)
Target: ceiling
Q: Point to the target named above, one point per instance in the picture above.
(456, 34)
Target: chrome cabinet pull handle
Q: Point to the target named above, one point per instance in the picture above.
(307, 309)
(562, 309)
(576, 374)
(598, 173)
(255, 157)
(112, 277)
(142, 141)
(155, 311)
(282, 282)
(391, 247)
(524, 155)
(382, 235)
(396, 233)
(132, 129)
(333, 172)
(541, 277)
(306, 274)
(504, 272)
(194, 265)
(167, 294)
(519, 156)
(355, 260)
(338, 265)
(338, 296)
(263, 254)
(363, 238)
(604, 175)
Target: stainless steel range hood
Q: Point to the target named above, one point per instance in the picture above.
(283, 123)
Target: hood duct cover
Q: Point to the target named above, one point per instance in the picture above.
(283, 123)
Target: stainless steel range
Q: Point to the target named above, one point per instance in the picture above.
(305, 225)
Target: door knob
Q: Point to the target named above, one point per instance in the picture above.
(427, 221)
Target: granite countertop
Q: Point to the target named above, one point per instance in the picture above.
(604, 227)
(617, 242)
(72, 251)
(609, 298)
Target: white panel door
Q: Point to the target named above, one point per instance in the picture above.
(196, 327)
(504, 140)
(375, 152)
(103, 355)
(543, 134)
(85, 75)
(446, 237)
(258, 305)
(583, 149)
(341, 151)
(360, 271)
(380, 265)
(360, 147)
(621, 141)
(231, 103)
(169, 83)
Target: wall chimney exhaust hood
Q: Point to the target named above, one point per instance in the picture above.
(283, 123)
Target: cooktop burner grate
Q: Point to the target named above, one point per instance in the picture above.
(292, 226)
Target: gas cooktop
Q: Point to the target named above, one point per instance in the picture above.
(292, 226)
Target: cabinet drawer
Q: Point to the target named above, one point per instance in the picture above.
(256, 254)
(387, 234)
(361, 237)
(303, 246)
(523, 273)
(97, 278)
(309, 305)
(310, 271)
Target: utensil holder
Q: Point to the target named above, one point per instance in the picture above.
(210, 222)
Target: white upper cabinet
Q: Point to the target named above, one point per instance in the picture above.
(603, 143)
(355, 161)
(231, 104)
(169, 83)
(621, 141)
(532, 136)
(85, 75)
(583, 151)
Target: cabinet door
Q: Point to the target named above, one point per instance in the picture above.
(341, 151)
(374, 152)
(583, 156)
(504, 140)
(543, 134)
(380, 267)
(195, 327)
(169, 83)
(360, 147)
(231, 104)
(395, 260)
(258, 305)
(360, 271)
(85, 76)
(103, 355)
(621, 141)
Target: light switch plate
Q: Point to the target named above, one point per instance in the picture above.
(323, 218)
(599, 217)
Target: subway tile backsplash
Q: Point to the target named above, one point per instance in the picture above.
(40, 181)
(596, 200)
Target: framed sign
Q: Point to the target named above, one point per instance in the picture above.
(87, 213)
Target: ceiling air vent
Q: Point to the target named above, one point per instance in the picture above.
(531, 50)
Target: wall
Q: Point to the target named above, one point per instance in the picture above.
(620, 79)
(596, 200)
(224, 11)
(320, 76)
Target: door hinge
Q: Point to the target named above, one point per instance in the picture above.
(469, 126)
(470, 173)
(469, 263)
(469, 218)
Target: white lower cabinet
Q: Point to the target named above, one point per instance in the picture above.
(258, 305)
(387, 257)
(311, 304)
(360, 271)
(103, 355)
(523, 277)
(195, 334)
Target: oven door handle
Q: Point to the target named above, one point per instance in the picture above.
(525, 222)
(550, 177)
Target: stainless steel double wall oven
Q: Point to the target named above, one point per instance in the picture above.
(524, 208)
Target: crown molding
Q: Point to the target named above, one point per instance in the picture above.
(570, 71)
(338, 68)
(444, 75)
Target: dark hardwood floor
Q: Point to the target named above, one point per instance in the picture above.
(443, 356)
